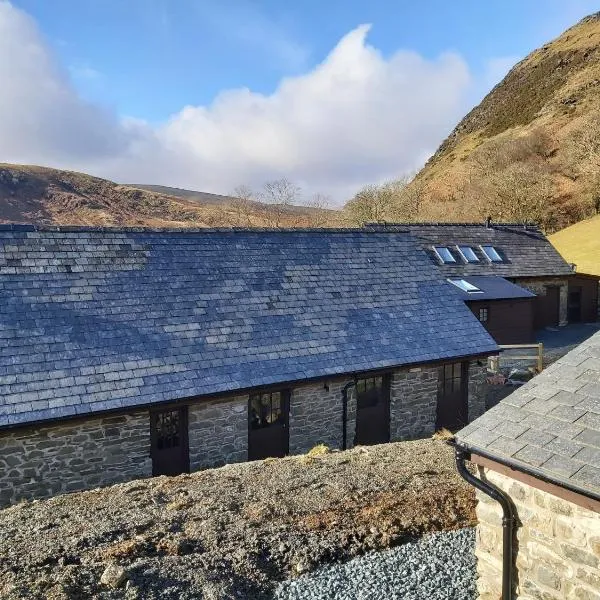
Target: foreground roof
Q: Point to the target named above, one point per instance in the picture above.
(551, 425)
(492, 287)
(93, 320)
(525, 249)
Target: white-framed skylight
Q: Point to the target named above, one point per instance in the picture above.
(445, 255)
(492, 254)
(468, 254)
(465, 286)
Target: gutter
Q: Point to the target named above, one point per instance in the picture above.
(508, 516)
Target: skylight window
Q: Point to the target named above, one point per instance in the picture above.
(444, 254)
(465, 286)
(468, 254)
(492, 254)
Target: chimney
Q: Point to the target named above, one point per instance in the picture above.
(488, 222)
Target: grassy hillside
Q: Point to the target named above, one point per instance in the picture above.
(32, 194)
(580, 244)
(531, 148)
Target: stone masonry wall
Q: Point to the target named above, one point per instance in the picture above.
(478, 388)
(558, 545)
(538, 286)
(413, 403)
(74, 455)
(316, 416)
(218, 432)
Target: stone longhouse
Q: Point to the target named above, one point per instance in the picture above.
(133, 352)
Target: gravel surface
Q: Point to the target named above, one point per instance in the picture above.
(440, 566)
(233, 532)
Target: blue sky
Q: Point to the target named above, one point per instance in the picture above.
(148, 58)
(211, 94)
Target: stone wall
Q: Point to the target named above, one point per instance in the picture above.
(413, 403)
(75, 455)
(478, 388)
(557, 550)
(218, 432)
(538, 287)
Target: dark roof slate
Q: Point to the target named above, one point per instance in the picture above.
(525, 249)
(493, 288)
(551, 425)
(92, 320)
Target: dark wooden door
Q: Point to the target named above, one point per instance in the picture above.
(169, 441)
(452, 402)
(547, 308)
(574, 305)
(268, 425)
(372, 411)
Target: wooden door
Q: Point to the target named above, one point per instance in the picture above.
(574, 305)
(268, 425)
(169, 441)
(452, 401)
(372, 411)
(547, 308)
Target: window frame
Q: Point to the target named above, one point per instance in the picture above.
(459, 247)
(488, 257)
(436, 249)
(283, 408)
(485, 310)
(456, 281)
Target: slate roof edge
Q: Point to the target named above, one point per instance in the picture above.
(383, 224)
(23, 227)
(522, 467)
(241, 390)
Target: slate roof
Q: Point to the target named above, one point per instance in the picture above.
(551, 425)
(93, 320)
(493, 288)
(526, 250)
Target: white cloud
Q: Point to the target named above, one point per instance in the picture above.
(357, 117)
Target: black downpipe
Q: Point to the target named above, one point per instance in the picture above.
(345, 413)
(508, 519)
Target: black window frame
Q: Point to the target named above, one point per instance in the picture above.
(265, 420)
(449, 374)
(484, 311)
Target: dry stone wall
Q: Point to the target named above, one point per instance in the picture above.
(75, 455)
(557, 549)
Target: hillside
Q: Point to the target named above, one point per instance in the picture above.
(531, 149)
(39, 195)
(580, 244)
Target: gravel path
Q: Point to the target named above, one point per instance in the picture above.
(438, 566)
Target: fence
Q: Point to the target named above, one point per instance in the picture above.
(532, 353)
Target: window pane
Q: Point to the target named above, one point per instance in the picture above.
(469, 254)
(492, 253)
(444, 254)
(464, 285)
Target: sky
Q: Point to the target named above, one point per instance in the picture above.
(212, 94)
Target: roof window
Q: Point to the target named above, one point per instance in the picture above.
(444, 254)
(468, 254)
(491, 254)
(465, 286)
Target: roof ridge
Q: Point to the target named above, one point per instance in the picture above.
(384, 224)
(134, 229)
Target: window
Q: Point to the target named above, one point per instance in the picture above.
(484, 314)
(369, 391)
(465, 286)
(166, 429)
(444, 254)
(491, 254)
(468, 254)
(266, 410)
(451, 380)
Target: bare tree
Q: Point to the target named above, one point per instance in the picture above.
(242, 204)
(371, 204)
(321, 205)
(278, 195)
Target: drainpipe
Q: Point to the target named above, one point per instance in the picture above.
(345, 413)
(508, 518)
